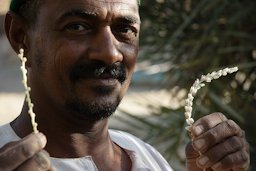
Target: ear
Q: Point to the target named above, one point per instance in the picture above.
(16, 29)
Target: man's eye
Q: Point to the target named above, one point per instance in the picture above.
(126, 32)
(77, 27)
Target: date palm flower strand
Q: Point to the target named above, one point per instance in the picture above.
(27, 90)
(199, 83)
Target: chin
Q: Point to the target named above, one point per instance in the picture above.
(94, 110)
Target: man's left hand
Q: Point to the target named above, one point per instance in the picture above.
(218, 144)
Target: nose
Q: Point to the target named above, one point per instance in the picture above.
(104, 47)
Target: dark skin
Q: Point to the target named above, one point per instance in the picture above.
(68, 33)
(218, 144)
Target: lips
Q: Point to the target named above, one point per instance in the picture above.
(103, 82)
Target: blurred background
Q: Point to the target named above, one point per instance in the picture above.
(180, 41)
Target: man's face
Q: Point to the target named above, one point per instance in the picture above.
(83, 54)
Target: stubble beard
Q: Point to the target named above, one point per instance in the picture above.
(104, 104)
(94, 110)
(91, 111)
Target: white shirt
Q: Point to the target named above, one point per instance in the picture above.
(143, 156)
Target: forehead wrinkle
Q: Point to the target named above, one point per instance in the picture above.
(116, 1)
(83, 11)
(110, 4)
(91, 10)
(129, 16)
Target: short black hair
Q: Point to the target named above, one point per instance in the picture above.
(26, 8)
(16, 4)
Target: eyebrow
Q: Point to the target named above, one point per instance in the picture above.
(78, 13)
(87, 14)
(129, 19)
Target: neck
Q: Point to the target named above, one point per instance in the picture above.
(66, 138)
(70, 139)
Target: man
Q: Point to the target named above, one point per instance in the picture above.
(81, 56)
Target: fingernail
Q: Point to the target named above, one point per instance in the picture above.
(42, 138)
(43, 160)
(199, 143)
(198, 130)
(216, 166)
(202, 161)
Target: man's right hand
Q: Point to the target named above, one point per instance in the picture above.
(26, 154)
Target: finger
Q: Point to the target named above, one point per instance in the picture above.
(15, 154)
(216, 135)
(6, 146)
(247, 146)
(236, 161)
(191, 156)
(207, 122)
(220, 151)
(39, 162)
(190, 152)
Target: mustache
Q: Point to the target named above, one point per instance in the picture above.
(98, 70)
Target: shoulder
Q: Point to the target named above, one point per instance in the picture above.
(144, 151)
(131, 142)
(126, 139)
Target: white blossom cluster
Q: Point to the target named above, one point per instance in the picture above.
(27, 90)
(199, 84)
